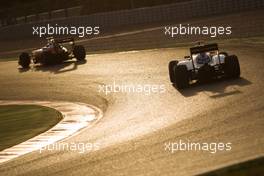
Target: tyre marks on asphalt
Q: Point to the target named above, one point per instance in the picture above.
(76, 116)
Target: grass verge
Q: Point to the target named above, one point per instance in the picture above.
(19, 123)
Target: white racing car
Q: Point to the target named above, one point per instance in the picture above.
(204, 63)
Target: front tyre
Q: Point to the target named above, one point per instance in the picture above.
(79, 52)
(181, 76)
(24, 60)
(232, 67)
(172, 64)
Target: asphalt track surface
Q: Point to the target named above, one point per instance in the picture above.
(135, 126)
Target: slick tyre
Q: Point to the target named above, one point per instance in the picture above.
(181, 76)
(232, 67)
(79, 52)
(24, 60)
(171, 66)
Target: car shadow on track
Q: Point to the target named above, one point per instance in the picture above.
(22, 70)
(56, 69)
(216, 89)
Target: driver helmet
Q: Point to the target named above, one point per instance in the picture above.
(203, 58)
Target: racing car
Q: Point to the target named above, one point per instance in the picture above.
(53, 53)
(205, 63)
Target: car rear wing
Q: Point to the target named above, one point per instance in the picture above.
(64, 40)
(204, 48)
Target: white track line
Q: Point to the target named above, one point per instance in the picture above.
(76, 116)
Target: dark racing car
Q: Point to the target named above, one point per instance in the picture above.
(53, 53)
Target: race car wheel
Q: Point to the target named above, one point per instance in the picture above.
(172, 64)
(79, 52)
(181, 76)
(24, 60)
(232, 67)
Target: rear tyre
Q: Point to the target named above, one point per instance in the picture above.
(24, 60)
(232, 67)
(172, 64)
(79, 52)
(181, 76)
